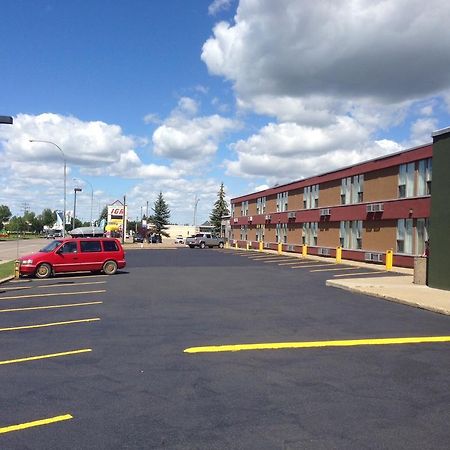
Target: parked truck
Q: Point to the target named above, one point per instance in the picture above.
(203, 240)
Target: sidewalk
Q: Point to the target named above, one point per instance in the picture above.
(400, 289)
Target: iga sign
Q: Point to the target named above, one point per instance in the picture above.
(116, 213)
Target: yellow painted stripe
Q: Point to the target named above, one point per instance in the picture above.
(315, 344)
(311, 265)
(52, 286)
(53, 324)
(336, 268)
(35, 423)
(290, 263)
(50, 355)
(361, 273)
(13, 297)
(57, 277)
(67, 305)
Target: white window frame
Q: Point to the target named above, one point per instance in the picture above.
(282, 201)
(311, 196)
(260, 205)
(405, 236)
(244, 208)
(309, 233)
(424, 174)
(406, 173)
(260, 231)
(421, 235)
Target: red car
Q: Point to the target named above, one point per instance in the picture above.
(74, 255)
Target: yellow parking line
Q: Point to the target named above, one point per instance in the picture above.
(35, 423)
(53, 324)
(74, 277)
(50, 355)
(51, 295)
(293, 263)
(316, 344)
(361, 273)
(311, 265)
(336, 268)
(21, 288)
(67, 305)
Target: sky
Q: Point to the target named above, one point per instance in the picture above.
(178, 96)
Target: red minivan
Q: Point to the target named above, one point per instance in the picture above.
(74, 255)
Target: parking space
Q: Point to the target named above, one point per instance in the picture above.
(328, 369)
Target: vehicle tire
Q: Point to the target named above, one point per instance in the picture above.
(202, 245)
(191, 246)
(43, 271)
(220, 244)
(110, 267)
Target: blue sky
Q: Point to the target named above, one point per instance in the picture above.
(180, 95)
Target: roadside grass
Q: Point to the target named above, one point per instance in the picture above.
(6, 269)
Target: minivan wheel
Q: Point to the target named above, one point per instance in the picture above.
(110, 267)
(202, 245)
(44, 270)
(220, 244)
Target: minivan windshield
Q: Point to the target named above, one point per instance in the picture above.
(50, 247)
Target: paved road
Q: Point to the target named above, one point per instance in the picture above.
(13, 249)
(137, 389)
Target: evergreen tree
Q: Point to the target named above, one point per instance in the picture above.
(103, 214)
(47, 217)
(161, 216)
(220, 209)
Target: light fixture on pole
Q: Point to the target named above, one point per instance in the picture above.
(75, 190)
(65, 179)
(8, 120)
(92, 195)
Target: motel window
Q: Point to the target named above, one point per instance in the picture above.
(406, 180)
(282, 201)
(311, 197)
(422, 227)
(261, 205)
(424, 177)
(350, 234)
(281, 232)
(260, 229)
(244, 208)
(309, 233)
(352, 189)
(404, 235)
(244, 231)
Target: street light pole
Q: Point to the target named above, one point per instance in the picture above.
(75, 190)
(92, 195)
(65, 179)
(196, 200)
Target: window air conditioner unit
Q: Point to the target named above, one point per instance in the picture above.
(373, 257)
(375, 207)
(323, 251)
(325, 212)
(235, 220)
(268, 217)
(291, 215)
(250, 219)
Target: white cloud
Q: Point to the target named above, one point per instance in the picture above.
(421, 130)
(190, 139)
(333, 75)
(217, 6)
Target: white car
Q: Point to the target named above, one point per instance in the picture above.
(179, 239)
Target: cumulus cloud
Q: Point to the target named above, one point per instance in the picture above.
(218, 5)
(333, 76)
(421, 130)
(186, 138)
(364, 49)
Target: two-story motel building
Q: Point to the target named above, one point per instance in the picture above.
(366, 209)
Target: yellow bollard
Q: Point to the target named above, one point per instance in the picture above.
(304, 250)
(389, 259)
(247, 246)
(17, 269)
(338, 255)
(235, 244)
(227, 245)
(280, 248)
(260, 246)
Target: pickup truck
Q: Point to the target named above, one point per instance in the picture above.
(203, 240)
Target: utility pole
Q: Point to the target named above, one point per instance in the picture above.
(196, 200)
(124, 219)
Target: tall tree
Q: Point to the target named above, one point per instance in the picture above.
(48, 217)
(5, 214)
(220, 209)
(103, 214)
(161, 216)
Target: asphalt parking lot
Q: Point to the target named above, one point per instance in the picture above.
(101, 362)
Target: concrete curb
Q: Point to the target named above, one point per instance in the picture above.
(4, 280)
(430, 305)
